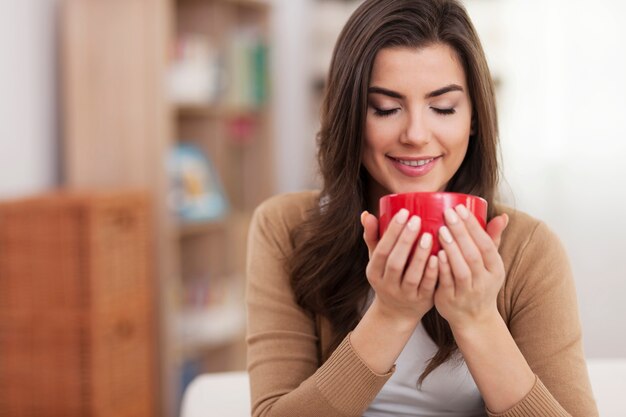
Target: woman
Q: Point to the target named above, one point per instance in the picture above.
(340, 322)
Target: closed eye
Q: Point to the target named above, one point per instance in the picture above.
(443, 111)
(384, 112)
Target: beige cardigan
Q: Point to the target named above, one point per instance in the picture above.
(292, 374)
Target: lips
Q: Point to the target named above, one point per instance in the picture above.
(414, 166)
(414, 163)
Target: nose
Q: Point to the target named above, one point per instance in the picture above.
(416, 132)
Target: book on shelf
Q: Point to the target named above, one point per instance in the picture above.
(235, 75)
(196, 192)
(247, 67)
(202, 292)
(195, 71)
(211, 312)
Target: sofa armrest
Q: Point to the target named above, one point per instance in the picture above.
(224, 394)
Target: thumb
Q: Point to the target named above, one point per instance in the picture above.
(370, 233)
(496, 226)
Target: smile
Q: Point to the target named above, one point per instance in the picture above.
(415, 163)
(414, 167)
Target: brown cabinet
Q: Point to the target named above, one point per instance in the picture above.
(77, 327)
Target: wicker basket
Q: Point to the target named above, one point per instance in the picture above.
(76, 307)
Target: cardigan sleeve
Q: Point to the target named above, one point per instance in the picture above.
(543, 320)
(286, 378)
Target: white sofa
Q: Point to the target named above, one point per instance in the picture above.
(227, 394)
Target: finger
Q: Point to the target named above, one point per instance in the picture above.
(370, 231)
(415, 270)
(429, 279)
(446, 282)
(378, 258)
(460, 270)
(496, 227)
(485, 244)
(397, 260)
(465, 242)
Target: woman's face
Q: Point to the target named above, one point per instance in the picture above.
(418, 119)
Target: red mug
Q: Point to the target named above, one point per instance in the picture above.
(429, 207)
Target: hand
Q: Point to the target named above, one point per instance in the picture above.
(471, 271)
(402, 292)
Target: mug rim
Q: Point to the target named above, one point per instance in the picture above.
(432, 193)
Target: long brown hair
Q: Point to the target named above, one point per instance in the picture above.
(327, 268)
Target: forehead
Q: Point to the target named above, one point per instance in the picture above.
(426, 68)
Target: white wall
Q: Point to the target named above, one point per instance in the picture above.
(28, 137)
(292, 71)
(563, 129)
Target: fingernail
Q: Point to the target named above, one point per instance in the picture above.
(432, 262)
(426, 240)
(463, 212)
(414, 223)
(442, 256)
(402, 216)
(451, 216)
(363, 215)
(445, 234)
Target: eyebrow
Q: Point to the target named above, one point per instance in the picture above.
(394, 94)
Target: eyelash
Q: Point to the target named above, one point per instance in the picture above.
(444, 112)
(386, 113)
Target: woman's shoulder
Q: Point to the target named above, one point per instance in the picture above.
(538, 271)
(287, 209)
(527, 239)
(523, 227)
(290, 201)
(520, 222)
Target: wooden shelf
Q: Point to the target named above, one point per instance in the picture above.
(243, 3)
(191, 229)
(123, 139)
(249, 3)
(215, 111)
(196, 110)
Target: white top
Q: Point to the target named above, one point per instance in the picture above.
(448, 391)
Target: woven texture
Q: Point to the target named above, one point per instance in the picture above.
(76, 307)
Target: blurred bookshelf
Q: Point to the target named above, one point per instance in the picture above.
(172, 96)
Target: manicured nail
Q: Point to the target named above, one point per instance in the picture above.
(426, 240)
(363, 215)
(443, 258)
(451, 216)
(445, 234)
(462, 210)
(432, 262)
(414, 223)
(402, 216)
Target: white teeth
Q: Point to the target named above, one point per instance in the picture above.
(415, 163)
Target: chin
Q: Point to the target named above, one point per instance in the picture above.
(421, 188)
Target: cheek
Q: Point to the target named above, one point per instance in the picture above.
(455, 129)
(369, 158)
(374, 147)
(373, 141)
(455, 135)
(462, 151)
(458, 148)
(379, 134)
(458, 151)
